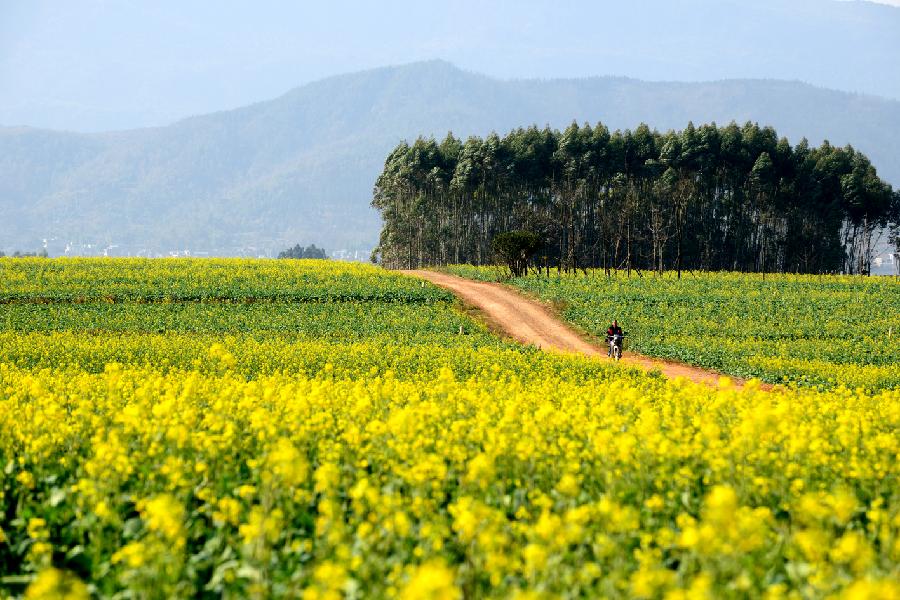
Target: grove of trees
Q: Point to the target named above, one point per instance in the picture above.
(708, 198)
(298, 251)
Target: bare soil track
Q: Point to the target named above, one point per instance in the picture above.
(532, 322)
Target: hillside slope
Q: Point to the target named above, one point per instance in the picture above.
(301, 167)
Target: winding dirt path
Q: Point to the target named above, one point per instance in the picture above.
(531, 322)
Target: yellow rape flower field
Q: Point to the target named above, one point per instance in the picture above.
(304, 429)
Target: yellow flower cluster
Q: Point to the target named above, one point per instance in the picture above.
(629, 486)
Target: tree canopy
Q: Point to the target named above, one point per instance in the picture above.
(515, 248)
(299, 251)
(708, 197)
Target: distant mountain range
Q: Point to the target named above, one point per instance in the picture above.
(96, 66)
(300, 168)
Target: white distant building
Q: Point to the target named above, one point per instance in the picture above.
(886, 263)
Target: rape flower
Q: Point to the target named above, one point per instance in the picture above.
(164, 515)
(286, 463)
(228, 510)
(853, 549)
(261, 526)
(53, 584)
(535, 556)
(431, 581)
(872, 590)
(568, 485)
(133, 555)
(26, 479)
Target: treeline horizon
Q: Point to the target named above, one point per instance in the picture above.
(299, 251)
(736, 198)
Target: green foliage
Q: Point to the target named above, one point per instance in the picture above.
(515, 249)
(299, 251)
(710, 198)
(808, 330)
(204, 280)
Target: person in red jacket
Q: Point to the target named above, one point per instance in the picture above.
(614, 329)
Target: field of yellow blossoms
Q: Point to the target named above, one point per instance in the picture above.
(305, 429)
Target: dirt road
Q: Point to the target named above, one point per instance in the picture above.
(531, 322)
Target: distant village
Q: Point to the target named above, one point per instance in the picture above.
(52, 247)
(886, 263)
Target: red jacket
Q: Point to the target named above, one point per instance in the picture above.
(613, 330)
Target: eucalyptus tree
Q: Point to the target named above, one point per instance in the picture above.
(707, 197)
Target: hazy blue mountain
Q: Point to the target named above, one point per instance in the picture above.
(95, 65)
(300, 168)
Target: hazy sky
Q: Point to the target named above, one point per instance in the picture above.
(105, 64)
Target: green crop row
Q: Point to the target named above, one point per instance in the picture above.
(805, 329)
(337, 321)
(80, 280)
